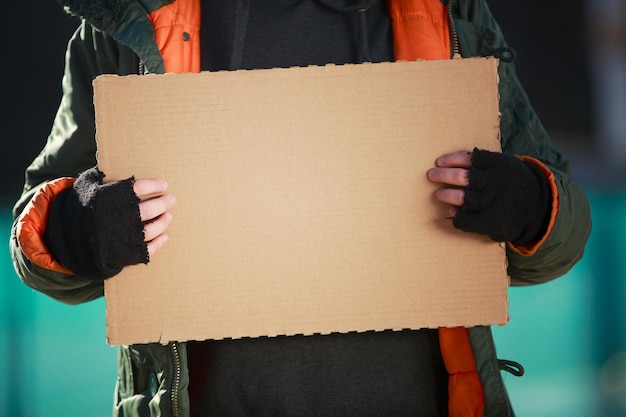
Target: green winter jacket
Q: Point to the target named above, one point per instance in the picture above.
(117, 37)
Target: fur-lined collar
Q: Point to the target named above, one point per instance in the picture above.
(106, 15)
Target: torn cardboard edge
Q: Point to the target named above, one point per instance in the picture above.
(302, 200)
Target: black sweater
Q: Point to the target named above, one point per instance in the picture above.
(365, 374)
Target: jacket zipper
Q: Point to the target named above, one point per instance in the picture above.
(454, 39)
(175, 378)
(173, 346)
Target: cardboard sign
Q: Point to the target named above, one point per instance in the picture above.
(302, 204)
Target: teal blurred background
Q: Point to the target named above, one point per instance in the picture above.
(569, 334)
(54, 360)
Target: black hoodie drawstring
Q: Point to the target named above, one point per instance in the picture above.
(361, 38)
(358, 14)
(241, 26)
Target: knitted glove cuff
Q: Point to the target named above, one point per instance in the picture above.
(507, 199)
(95, 230)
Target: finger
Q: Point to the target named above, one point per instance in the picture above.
(451, 176)
(156, 227)
(455, 160)
(451, 196)
(145, 187)
(157, 243)
(153, 208)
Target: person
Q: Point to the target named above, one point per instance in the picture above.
(71, 231)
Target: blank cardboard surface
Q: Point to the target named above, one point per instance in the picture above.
(302, 204)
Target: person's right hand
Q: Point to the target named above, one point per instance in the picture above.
(96, 229)
(154, 211)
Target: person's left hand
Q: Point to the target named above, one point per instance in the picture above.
(495, 194)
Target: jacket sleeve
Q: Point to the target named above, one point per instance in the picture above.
(523, 134)
(564, 246)
(69, 150)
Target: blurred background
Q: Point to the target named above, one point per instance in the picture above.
(569, 334)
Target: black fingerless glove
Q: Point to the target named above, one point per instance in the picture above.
(507, 199)
(95, 230)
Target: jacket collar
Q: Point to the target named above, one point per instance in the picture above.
(107, 15)
(125, 21)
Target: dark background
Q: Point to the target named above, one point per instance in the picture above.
(549, 38)
(34, 40)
